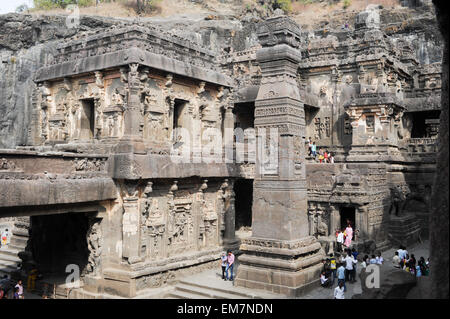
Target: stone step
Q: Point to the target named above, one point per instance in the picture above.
(9, 251)
(237, 294)
(177, 294)
(9, 257)
(206, 292)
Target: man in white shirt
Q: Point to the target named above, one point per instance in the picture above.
(396, 260)
(339, 291)
(340, 240)
(349, 261)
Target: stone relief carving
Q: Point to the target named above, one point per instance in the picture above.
(94, 241)
(89, 164)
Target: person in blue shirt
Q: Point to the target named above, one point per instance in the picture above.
(313, 149)
(341, 275)
(355, 255)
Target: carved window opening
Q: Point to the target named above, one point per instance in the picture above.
(425, 124)
(370, 124)
(87, 119)
(180, 118)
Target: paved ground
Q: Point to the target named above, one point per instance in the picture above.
(212, 278)
(420, 250)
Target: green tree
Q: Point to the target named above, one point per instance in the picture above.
(285, 5)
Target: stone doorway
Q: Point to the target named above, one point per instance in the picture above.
(243, 189)
(57, 241)
(347, 213)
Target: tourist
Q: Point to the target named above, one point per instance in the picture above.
(333, 268)
(418, 271)
(341, 275)
(325, 157)
(349, 266)
(401, 252)
(373, 260)
(355, 256)
(321, 155)
(364, 262)
(331, 159)
(4, 240)
(19, 288)
(339, 291)
(324, 280)
(309, 146)
(16, 293)
(348, 235)
(223, 263)
(379, 259)
(412, 264)
(327, 268)
(405, 252)
(313, 149)
(230, 265)
(423, 267)
(340, 240)
(396, 260)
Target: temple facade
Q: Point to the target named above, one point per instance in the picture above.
(147, 156)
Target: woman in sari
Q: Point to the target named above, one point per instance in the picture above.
(349, 235)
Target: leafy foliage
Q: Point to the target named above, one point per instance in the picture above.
(285, 5)
(50, 4)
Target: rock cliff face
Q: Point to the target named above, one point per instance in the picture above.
(26, 41)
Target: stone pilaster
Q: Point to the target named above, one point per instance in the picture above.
(131, 223)
(280, 256)
(229, 241)
(132, 141)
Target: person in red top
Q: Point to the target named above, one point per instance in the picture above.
(230, 265)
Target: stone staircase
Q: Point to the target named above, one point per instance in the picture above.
(9, 255)
(209, 285)
(404, 230)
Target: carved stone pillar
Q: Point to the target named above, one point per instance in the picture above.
(228, 126)
(280, 256)
(230, 241)
(131, 223)
(362, 220)
(132, 140)
(335, 219)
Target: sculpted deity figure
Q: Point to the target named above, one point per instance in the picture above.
(117, 98)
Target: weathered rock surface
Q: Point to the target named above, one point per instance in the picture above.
(394, 284)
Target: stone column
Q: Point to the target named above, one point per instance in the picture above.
(362, 219)
(230, 241)
(280, 256)
(132, 141)
(335, 218)
(228, 127)
(131, 223)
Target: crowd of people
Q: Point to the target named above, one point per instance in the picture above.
(321, 155)
(403, 260)
(342, 265)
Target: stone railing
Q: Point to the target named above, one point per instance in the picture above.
(421, 145)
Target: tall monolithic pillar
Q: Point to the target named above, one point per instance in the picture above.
(280, 256)
(132, 141)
